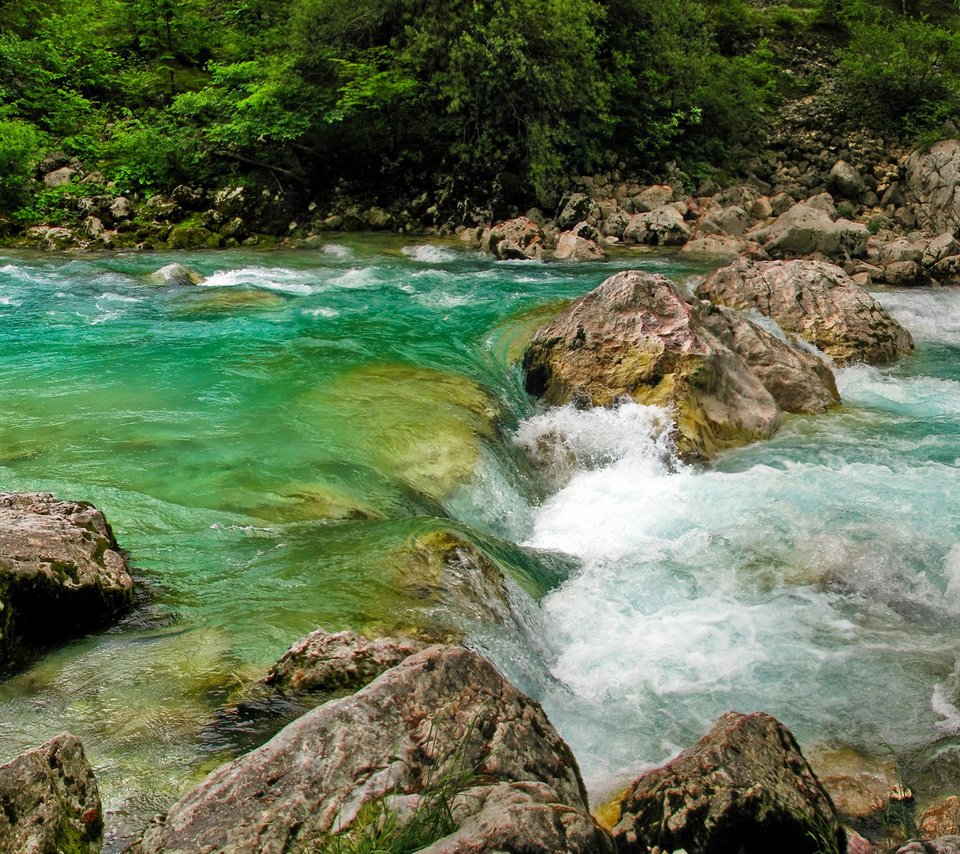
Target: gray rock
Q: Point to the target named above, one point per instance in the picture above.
(176, 276)
(121, 208)
(805, 230)
(635, 337)
(93, 227)
(845, 180)
(932, 187)
(441, 712)
(61, 571)
(231, 201)
(190, 198)
(940, 845)
(940, 247)
(743, 787)
(799, 381)
(576, 246)
(652, 198)
(573, 209)
(59, 177)
(816, 301)
(50, 801)
(663, 226)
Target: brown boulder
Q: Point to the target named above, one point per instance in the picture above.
(805, 229)
(515, 239)
(61, 570)
(50, 801)
(636, 337)
(743, 787)
(816, 301)
(443, 713)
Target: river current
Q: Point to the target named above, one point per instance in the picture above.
(263, 443)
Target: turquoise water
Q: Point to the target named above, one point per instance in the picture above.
(266, 444)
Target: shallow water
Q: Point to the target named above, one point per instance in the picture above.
(264, 443)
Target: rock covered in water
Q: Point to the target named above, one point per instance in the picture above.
(61, 570)
(636, 337)
(743, 787)
(50, 801)
(800, 381)
(176, 276)
(443, 713)
(816, 301)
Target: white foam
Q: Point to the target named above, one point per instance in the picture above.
(864, 385)
(356, 277)
(270, 278)
(322, 311)
(929, 314)
(336, 250)
(428, 254)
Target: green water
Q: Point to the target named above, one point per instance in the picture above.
(267, 444)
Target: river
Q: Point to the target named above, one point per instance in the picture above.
(265, 442)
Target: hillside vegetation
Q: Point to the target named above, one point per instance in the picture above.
(495, 101)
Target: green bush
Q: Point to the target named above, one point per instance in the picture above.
(20, 150)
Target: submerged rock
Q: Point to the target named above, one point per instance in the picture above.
(176, 276)
(61, 571)
(442, 717)
(636, 337)
(743, 787)
(816, 301)
(50, 801)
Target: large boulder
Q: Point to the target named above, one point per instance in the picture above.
(846, 180)
(516, 239)
(663, 226)
(579, 244)
(573, 208)
(61, 571)
(636, 337)
(933, 186)
(800, 381)
(443, 717)
(743, 787)
(50, 801)
(805, 230)
(816, 301)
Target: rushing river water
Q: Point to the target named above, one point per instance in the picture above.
(815, 576)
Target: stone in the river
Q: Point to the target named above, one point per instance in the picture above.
(744, 787)
(50, 801)
(816, 301)
(61, 571)
(421, 426)
(636, 337)
(176, 276)
(799, 381)
(515, 239)
(331, 663)
(576, 246)
(443, 713)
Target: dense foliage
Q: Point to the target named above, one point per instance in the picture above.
(489, 100)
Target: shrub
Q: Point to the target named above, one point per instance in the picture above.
(20, 151)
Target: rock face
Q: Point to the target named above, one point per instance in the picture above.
(636, 337)
(743, 787)
(50, 801)
(799, 381)
(806, 229)
(933, 186)
(441, 712)
(816, 301)
(61, 571)
(515, 239)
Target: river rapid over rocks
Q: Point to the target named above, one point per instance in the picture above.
(274, 445)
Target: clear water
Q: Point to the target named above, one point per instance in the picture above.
(264, 443)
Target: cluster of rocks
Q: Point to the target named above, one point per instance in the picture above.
(726, 378)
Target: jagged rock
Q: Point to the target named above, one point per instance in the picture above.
(121, 208)
(573, 209)
(579, 244)
(614, 225)
(939, 248)
(443, 712)
(743, 787)
(804, 230)
(528, 817)
(326, 663)
(176, 276)
(50, 800)
(61, 571)
(941, 818)
(940, 845)
(162, 208)
(947, 270)
(515, 239)
(898, 250)
(663, 226)
(799, 381)
(93, 227)
(845, 180)
(816, 301)
(189, 198)
(932, 184)
(652, 198)
(636, 337)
